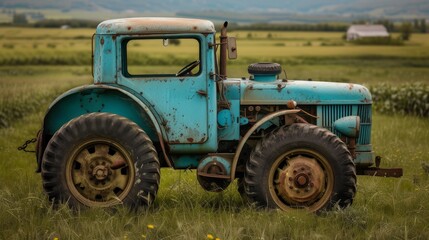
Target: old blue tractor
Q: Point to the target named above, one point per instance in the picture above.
(290, 144)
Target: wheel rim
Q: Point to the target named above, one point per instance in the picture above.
(100, 173)
(301, 179)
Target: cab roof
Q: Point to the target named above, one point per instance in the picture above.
(153, 25)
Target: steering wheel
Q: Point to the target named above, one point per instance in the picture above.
(188, 68)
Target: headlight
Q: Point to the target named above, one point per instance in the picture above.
(348, 126)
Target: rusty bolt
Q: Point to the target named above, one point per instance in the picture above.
(258, 108)
(290, 187)
(302, 180)
(290, 179)
(251, 108)
(297, 191)
(294, 171)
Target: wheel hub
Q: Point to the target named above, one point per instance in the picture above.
(100, 172)
(96, 181)
(301, 180)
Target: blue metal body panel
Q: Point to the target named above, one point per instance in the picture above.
(105, 59)
(188, 117)
(232, 93)
(303, 92)
(102, 98)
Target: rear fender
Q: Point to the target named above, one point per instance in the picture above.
(102, 98)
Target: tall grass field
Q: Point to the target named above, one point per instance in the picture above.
(36, 65)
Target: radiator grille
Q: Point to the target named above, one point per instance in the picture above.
(330, 113)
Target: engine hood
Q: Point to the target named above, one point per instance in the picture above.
(303, 92)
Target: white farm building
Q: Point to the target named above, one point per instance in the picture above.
(366, 31)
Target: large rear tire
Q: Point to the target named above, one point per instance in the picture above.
(101, 160)
(301, 166)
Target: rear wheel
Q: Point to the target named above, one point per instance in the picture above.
(100, 160)
(301, 166)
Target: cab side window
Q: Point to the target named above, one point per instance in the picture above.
(158, 57)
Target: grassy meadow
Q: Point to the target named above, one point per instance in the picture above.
(36, 65)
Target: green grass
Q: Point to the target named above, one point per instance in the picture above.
(384, 208)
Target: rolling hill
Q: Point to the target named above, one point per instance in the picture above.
(326, 8)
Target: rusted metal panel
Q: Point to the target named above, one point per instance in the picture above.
(303, 92)
(186, 104)
(152, 25)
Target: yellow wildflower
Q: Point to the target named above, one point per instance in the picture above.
(209, 236)
(217, 239)
(56, 238)
(151, 226)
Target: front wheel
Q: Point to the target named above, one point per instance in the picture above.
(301, 166)
(100, 160)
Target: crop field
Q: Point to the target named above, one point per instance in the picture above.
(36, 65)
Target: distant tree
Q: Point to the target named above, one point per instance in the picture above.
(175, 41)
(360, 22)
(269, 35)
(386, 23)
(406, 29)
(416, 24)
(19, 19)
(423, 27)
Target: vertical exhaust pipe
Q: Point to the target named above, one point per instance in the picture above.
(223, 51)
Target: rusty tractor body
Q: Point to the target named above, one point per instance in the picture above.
(291, 144)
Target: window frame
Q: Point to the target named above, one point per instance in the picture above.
(124, 51)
